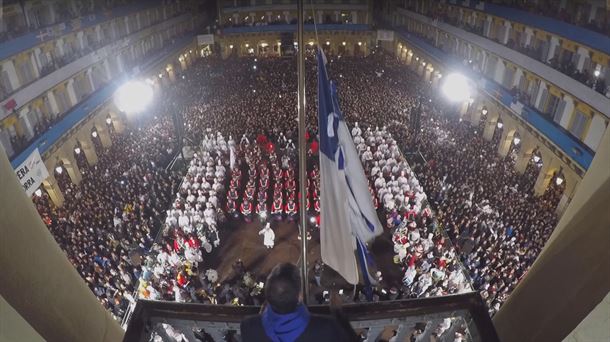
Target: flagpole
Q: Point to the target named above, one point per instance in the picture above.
(302, 151)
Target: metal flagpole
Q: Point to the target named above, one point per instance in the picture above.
(302, 152)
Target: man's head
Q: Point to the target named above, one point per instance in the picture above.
(283, 288)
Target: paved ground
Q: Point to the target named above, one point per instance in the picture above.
(241, 240)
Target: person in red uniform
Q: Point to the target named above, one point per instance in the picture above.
(263, 183)
(233, 195)
(291, 209)
(261, 207)
(246, 210)
(276, 210)
(249, 193)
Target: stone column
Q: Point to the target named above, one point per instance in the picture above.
(35, 68)
(52, 188)
(13, 79)
(554, 43)
(89, 74)
(53, 102)
(571, 182)
(490, 126)
(582, 56)
(505, 142)
(525, 155)
(87, 147)
(71, 93)
(39, 281)
(570, 276)
(549, 167)
(72, 167)
(102, 132)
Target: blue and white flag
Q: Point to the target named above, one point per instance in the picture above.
(348, 220)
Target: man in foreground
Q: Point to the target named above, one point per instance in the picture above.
(285, 318)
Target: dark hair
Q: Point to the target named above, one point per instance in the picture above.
(283, 288)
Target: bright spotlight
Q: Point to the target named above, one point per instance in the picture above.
(359, 43)
(254, 67)
(108, 121)
(500, 125)
(327, 43)
(312, 219)
(133, 97)
(77, 150)
(344, 43)
(38, 192)
(558, 180)
(536, 159)
(456, 87)
(94, 134)
(596, 73)
(516, 140)
(484, 111)
(59, 170)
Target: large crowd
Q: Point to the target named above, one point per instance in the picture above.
(460, 203)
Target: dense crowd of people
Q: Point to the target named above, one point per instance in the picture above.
(240, 115)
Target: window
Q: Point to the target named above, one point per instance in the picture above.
(558, 113)
(507, 80)
(578, 124)
(551, 104)
(5, 84)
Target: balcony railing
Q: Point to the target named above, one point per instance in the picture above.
(420, 318)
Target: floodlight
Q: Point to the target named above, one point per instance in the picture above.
(456, 87)
(133, 97)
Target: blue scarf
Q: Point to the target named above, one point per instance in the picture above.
(285, 327)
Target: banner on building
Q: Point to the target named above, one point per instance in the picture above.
(385, 35)
(205, 39)
(32, 172)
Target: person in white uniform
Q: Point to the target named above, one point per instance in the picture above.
(268, 235)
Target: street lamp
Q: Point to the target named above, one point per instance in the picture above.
(133, 97)
(558, 180)
(456, 87)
